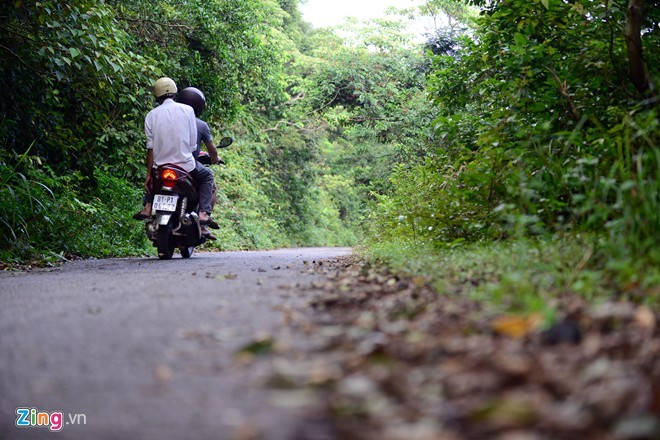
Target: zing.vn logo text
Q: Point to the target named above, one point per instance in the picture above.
(54, 421)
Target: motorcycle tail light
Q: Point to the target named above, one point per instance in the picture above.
(169, 178)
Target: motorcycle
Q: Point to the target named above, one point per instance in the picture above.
(175, 223)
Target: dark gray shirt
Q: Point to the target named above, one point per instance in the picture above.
(203, 135)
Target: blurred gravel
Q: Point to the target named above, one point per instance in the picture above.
(387, 358)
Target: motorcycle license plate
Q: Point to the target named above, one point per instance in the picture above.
(164, 202)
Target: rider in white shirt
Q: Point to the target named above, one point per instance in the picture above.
(169, 138)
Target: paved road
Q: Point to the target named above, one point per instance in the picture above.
(145, 349)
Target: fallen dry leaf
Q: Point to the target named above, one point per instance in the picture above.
(517, 326)
(645, 318)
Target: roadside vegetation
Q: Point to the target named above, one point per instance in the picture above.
(526, 130)
(543, 177)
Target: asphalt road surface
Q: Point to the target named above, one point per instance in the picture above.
(146, 349)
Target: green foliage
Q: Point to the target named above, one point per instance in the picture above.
(358, 108)
(526, 125)
(44, 217)
(538, 132)
(633, 185)
(69, 75)
(227, 48)
(441, 206)
(244, 211)
(372, 92)
(77, 84)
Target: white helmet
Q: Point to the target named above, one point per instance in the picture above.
(164, 86)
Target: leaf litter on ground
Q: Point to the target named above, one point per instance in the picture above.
(386, 357)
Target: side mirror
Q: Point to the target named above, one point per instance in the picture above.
(225, 142)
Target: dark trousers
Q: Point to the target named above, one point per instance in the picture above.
(204, 181)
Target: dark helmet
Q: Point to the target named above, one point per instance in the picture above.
(194, 98)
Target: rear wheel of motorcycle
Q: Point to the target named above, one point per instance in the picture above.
(165, 244)
(186, 252)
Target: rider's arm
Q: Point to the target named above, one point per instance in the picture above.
(150, 164)
(150, 160)
(213, 151)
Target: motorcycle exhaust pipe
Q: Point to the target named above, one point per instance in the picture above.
(187, 221)
(182, 212)
(182, 217)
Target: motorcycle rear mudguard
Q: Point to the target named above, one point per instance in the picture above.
(163, 219)
(185, 235)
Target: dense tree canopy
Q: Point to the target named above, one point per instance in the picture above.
(541, 127)
(516, 117)
(77, 83)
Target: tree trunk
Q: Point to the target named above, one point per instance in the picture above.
(637, 71)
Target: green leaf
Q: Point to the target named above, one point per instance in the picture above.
(546, 3)
(74, 52)
(520, 39)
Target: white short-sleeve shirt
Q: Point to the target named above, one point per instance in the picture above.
(171, 131)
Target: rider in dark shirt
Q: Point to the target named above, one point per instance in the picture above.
(196, 99)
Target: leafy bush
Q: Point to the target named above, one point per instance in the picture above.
(244, 212)
(539, 142)
(532, 138)
(45, 216)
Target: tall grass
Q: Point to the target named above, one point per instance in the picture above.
(585, 219)
(45, 216)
